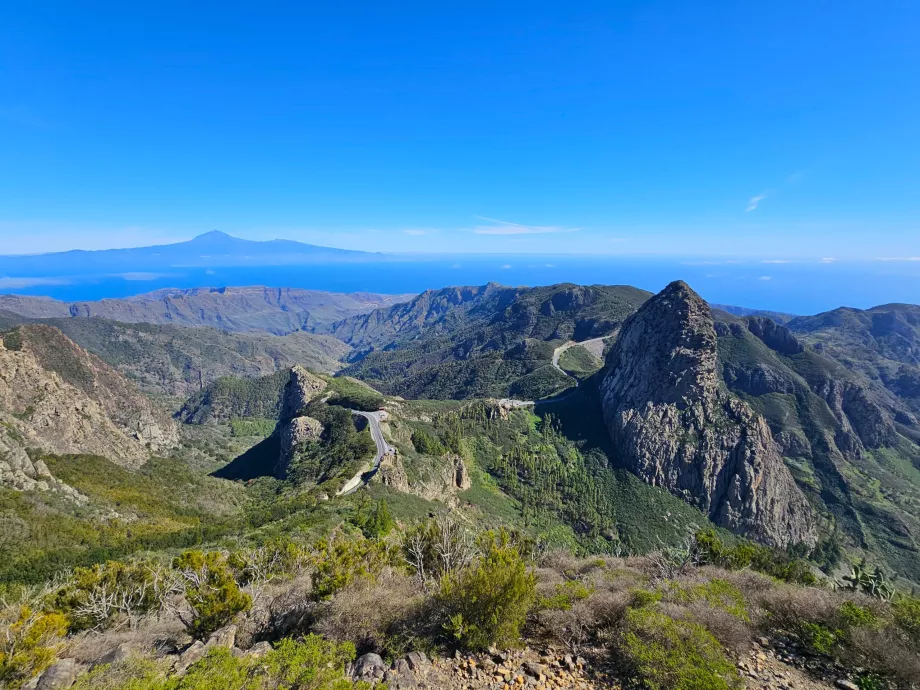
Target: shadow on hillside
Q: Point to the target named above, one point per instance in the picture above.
(258, 461)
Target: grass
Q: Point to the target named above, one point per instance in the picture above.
(578, 362)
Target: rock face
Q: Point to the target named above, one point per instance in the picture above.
(58, 398)
(676, 427)
(294, 428)
(300, 390)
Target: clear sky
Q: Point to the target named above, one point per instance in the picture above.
(775, 129)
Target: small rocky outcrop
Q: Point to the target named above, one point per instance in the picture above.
(775, 336)
(293, 427)
(299, 391)
(676, 427)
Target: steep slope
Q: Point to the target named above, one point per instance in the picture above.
(231, 397)
(846, 438)
(675, 426)
(882, 343)
(489, 341)
(238, 309)
(179, 361)
(57, 397)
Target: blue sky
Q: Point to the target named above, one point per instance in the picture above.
(777, 130)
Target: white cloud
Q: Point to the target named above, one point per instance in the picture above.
(506, 266)
(7, 283)
(754, 200)
(776, 261)
(413, 231)
(503, 227)
(765, 278)
(828, 260)
(898, 258)
(140, 275)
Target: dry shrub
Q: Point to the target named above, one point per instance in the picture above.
(881, 649)
(572, 628)
(290, 611)
(153, 634)
(789, 605)
(732, 632)
(376, 615)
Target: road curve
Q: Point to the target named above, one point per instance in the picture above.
(383, 448)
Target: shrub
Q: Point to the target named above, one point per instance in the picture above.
(374, 518)
(907, 615)
(96, 597)
(778, 564)
(668, 654)
(340, 560)
(133, 673)
(487, 603)
(427, 444)
(565, 595)
(210, 591)
(818, 638)
(381, 615)
(29, 642)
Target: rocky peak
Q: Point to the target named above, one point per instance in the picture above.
(295, 428)
(675, 426)
(300, 390)
(774, 336)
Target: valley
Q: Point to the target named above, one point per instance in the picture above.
(599, 421)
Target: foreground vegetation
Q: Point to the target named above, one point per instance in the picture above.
(674, 619)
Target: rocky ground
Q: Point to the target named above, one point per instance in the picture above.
(768, 666)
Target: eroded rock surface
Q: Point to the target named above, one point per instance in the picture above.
(675, 426)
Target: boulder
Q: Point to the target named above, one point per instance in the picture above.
(370, 668)
(60, 676)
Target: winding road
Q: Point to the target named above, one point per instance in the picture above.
(383, 449)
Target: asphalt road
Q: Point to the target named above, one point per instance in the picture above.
(383, 448)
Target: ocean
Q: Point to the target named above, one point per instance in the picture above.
(792, 287)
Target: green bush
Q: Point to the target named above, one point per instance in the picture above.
(308, 664)
(210, 590)
(374, 518)
(29, 642)
(769, 561)
(253, 426)
(96, 597)
(486, 604)
(565, 595)
(426, 444)
(907, 615)
(340, 560)
(853, 615)
(818, 638)
(668, 654)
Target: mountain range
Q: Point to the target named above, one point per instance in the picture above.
(797, 431)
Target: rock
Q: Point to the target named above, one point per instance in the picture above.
(418, 661)
(225, 637)
(369, 667)
(297, 431)
(61, 675)
(846, 684)
(534, 670)
(259, 650)
(676, 427)
(192, 654)
(299, 391)
(119, 653)
(774, 336)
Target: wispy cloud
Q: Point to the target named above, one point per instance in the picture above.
(828, 260)
(797, 176)
(504, 227)
(506, 265)
(898, 258)
(141, 275)
(776, 261)
(415, 231)
(754, 201)
(765, 278)
(7, 283)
